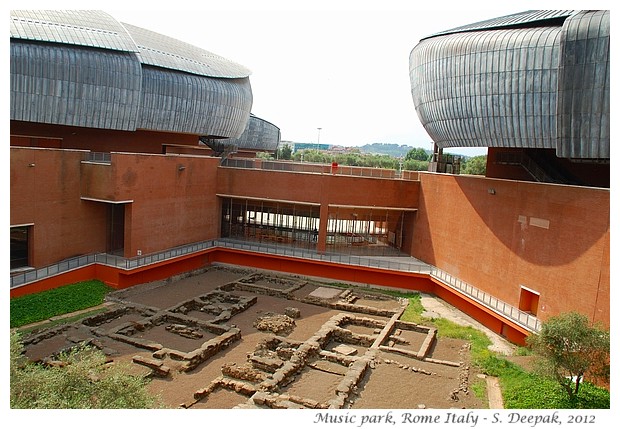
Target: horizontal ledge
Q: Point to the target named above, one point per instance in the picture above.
(98, 200)
(242, 197)
(402, 209)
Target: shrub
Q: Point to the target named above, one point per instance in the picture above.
(82, 379)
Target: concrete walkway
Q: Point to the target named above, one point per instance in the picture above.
(494, 393)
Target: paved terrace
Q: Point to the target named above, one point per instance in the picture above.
(389, 263)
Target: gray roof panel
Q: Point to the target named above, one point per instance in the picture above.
(163, 51)
(91, 28)
(517, 19)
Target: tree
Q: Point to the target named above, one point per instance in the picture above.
(569, 348)
(417, 154)
(264, 155)
(79, 378)
(285, 151)
(415, 165)
(476, 165)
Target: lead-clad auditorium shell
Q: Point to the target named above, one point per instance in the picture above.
(86, 69)
(537, 79)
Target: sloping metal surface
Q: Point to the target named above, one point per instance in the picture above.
(259, 135)
(584, 87)
(182, 102)
(83, 68)
(513, 84)
(163, 51)
(495, 88)
(518, 19)
(92, 28)
(74, 85)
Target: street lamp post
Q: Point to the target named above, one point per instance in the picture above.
(318, 139)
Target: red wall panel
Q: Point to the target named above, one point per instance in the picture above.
(499, 235)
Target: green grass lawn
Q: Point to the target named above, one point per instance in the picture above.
(65, 299)
(521, 389)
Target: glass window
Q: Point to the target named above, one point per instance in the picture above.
(19, 246)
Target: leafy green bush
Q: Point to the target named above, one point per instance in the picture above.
(524, 390)
(65, 299)
(81, 380)
(520, 389)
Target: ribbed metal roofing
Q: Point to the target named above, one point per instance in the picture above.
(531, 80)
(72, 85)
(258, 135)
(517, 19)
(188, 103)
(583, 87)
(163, 51)
(92, 28)
(92, 71)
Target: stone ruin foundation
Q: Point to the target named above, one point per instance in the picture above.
(345, 348)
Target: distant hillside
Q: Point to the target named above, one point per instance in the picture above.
(398, 150)
(392, 149)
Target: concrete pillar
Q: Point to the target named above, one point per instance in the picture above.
(323, 217)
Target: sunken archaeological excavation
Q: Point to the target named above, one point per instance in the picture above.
(253, 339)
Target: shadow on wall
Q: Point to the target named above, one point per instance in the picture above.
(542, 224)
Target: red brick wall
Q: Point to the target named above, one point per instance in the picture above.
(552, 239)
(47, 194)
(97, 140)
(171, 206)
(318, 188)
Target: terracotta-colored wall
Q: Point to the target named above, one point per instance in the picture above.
(492, 241)
(170, 206)
(318, 188)
(173, 200)
(45, 191)
(98, 140)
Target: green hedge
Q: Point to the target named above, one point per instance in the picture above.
(65, 299)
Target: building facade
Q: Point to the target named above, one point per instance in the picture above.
(532, 87)
(112, 153)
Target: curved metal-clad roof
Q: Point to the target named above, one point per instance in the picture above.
(490, 89)
(74, 85)
(583, 116)
(83, 68)
(92, 28)
(502, 87)
(181, 102)
(517, 19)
(259, 135)
(163, 51)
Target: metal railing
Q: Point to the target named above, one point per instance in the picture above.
(524, 319)
(301, 167)
(153, 258)
(407, 264)
(25, 277)
(101, 157)
(527, 163)
(404, 264)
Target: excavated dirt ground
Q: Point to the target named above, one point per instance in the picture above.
(227, 338)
